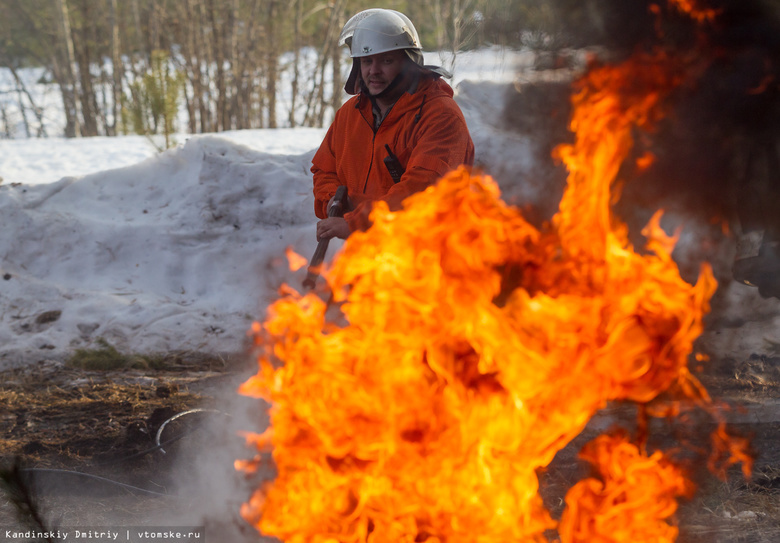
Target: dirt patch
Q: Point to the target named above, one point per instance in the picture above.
(111, 448)
(58, 420)
(57, 416)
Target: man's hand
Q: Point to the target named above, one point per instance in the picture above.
(332, 227)
(348, 203)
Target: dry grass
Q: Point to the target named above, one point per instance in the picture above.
(55, 425)
(103, 422)
(734, 510)
(54, 415)
(106, 357)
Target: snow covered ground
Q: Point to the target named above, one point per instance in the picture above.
(182, 250)
(176, 252)
(46, 160)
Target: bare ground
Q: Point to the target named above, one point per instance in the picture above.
(105, 423)
(59, 423)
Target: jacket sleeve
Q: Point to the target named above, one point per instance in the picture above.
(324, 168)
(443, 143)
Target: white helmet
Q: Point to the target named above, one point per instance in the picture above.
(378, 30)
(374, 31)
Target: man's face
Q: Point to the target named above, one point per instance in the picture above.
(379, 70)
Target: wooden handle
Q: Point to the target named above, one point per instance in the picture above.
(336, 209)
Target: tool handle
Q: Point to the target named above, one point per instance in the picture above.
(336, 209)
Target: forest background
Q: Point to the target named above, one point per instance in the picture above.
(144, 66)
(204, 66)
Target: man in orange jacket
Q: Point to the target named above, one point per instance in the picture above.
(398, 134)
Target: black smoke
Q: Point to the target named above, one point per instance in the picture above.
(718, 149)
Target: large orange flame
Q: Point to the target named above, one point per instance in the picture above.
(466, 348)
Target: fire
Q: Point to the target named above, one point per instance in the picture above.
(295, 260)
(467, 347)
(693, 9)
(632, 486)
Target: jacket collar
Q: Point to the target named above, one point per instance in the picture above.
(427, 87)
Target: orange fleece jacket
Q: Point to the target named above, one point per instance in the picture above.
(425, 130)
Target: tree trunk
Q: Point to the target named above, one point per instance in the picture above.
(6, 122)
(335, 23)
(67, 73)
(154, 26)
(205, 55)
(191, 119)
(87, 94)
(271, 64)
(315, 111)
(116, 70)
(140, 41)
(22, 109)
(459, 10)
(196, 64)
(218, 46)
(37, 111)
(186, 38)
(244, 65)
(297, 44)
(234, 107)
(338, 83)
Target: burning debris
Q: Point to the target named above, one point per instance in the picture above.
(471, 347)
(477, 348)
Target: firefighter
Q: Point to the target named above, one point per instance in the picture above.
(398, 134)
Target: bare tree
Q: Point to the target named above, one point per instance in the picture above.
(37, 111)
(116, 69)
(296, 46)
(315, 107)
(451, 18)
(64, 72)
(85, 59)
(271, 62)
(217, 49)
(235, 54)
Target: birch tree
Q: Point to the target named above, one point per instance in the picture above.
(64, 71)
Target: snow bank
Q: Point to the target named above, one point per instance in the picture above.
(179, 252)
(183, 250)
